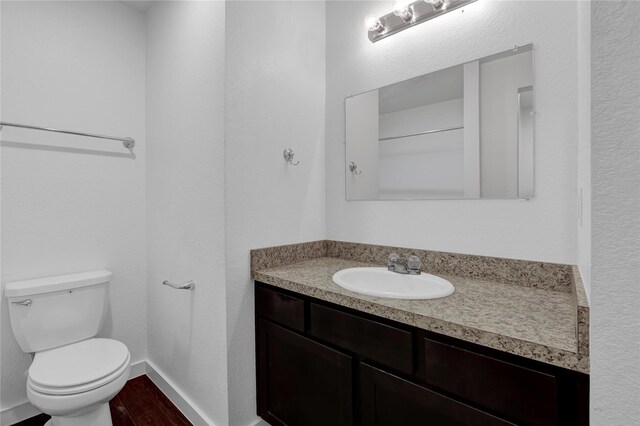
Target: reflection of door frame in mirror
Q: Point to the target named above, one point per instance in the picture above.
(526, 162)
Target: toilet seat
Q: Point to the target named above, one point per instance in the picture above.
(78, 367)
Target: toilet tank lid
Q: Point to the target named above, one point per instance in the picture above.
(57, 283)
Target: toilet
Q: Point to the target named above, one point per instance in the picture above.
(74, 374)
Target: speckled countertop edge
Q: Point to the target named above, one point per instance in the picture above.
(582, 312)
(573, 360)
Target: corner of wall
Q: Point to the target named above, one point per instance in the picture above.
(584, 144)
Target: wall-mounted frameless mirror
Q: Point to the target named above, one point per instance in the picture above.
(461, 132)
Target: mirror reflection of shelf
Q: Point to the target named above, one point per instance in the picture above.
(428, 132)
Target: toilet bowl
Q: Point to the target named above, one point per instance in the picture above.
(74, 374)
(75, 383)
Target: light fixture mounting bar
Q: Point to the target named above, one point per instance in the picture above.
(421, 11)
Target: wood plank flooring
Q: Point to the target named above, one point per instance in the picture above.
(139, 403)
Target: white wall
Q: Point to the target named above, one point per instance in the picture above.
(275, 99)
(185, 200)
(70, 203)
(615, 290)
(540, 229)
(584, 143)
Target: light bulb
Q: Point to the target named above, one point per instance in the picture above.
(377, 27)
(437, 4)
(369, 21)
(405, 13)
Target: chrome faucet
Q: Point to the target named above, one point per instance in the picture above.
(413, 265)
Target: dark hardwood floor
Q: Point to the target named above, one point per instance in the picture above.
(139, 403)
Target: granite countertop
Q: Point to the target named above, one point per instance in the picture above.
(535, 323)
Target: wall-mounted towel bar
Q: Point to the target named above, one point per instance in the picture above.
(128, 143)
(189, 285)
(428, 132)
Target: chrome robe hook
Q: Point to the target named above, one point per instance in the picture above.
(288, 155)
(353, 168)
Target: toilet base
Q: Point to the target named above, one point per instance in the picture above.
(101, 416)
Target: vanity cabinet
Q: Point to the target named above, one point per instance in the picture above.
(322, 364)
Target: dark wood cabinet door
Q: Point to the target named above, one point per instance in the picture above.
(388, 400)
(518, 393)
(301, 382)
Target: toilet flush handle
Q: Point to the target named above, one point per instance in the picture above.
(26, 302)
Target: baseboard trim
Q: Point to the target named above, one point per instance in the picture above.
(176, 396)
(18, 413)
(137, 369)
(25, 410)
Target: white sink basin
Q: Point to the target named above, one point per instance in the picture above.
(380, 282)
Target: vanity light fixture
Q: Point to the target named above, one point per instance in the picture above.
(411, 14)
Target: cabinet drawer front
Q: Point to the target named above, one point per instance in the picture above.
(378, 342)
(280, 308)
(301, 382)
(388, 400)
(521, 394)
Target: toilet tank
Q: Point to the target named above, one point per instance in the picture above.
(54, 311)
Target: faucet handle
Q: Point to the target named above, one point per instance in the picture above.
(414, 263)
(392, 259)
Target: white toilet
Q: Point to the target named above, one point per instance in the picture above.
(74, 375)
